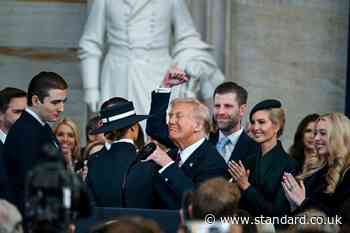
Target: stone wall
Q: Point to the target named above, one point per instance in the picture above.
(294, 50)
(42, 35)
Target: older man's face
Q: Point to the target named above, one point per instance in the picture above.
(181, 123)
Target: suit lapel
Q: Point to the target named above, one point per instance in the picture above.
(214, 137)
(270, 160)
(240, 148)
(190, 164)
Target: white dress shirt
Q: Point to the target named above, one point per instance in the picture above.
(36, 116)
(185, 154)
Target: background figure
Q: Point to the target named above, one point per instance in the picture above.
(10, 218)
(13, 101)
(92, 124)
(138, 35)
(67, 133)
(303, 148)
(332, 140)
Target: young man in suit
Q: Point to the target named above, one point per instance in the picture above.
(24, 144)
(194, 159)
(13, 101)
(230, 105)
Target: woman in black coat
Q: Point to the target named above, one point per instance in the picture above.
(332, 141)
(260, 175)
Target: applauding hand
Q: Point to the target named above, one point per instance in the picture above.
(239, 174)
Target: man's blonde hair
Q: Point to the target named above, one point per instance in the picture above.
(199, 111)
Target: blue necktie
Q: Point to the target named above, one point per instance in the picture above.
(221, 145)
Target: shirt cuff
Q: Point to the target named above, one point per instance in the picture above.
(163, 90)
(165, 167)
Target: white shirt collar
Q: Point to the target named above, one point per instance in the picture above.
(36, 116)
(186, 153)
(232, 137)
(127, 140)
(2, 136)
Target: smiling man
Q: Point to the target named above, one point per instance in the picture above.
(230, 105)
(47, 93)
(192, 159)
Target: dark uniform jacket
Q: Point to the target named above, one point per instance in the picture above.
(106, 178)
(243, 149)
(265, 196)
(204, 163)
(22, 151)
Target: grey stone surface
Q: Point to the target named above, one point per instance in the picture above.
(295, 50)
(292, 50)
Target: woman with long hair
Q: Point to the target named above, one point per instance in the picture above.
(67, 133)
(332, 141)
(303, 147)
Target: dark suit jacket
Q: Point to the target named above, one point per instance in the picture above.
(204, 163)
(244, 148)
(3, 178)
(23, 151)
(105, 179)
(265, 196)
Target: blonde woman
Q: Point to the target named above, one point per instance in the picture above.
(259, 176)
(332, 140)
(67, 133)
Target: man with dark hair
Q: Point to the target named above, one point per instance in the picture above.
(23, 149)
(12, 103)
(230, 105)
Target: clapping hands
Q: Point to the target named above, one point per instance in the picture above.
(294, 191)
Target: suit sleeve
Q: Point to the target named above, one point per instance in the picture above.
(278, 206)
(177, 180)
(156, 126)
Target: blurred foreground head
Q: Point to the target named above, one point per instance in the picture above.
(54, 199)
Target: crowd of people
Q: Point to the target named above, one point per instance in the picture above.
(202, 163)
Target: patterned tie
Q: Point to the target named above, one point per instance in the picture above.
(222, 147)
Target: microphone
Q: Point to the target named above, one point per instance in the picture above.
(145, 151)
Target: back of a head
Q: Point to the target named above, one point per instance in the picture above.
(42, 83)
(128, 225)
(215, 196)
(310, 215)
(10, 218)
(54, 199)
